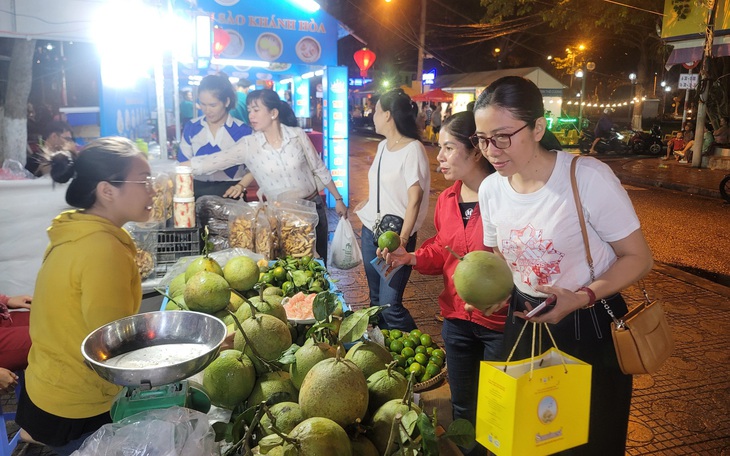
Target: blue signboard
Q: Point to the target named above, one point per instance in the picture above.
(335, 126)
(274, 31)
(300, 97)
(125, 111)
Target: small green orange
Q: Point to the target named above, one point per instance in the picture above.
(408, 342)
(410, 361)
(400, 359)
(421, 359)
(426, 340)
(417, 369)
(416, 340)
(396, 334)
(421, 349)
(432, 369)
(440, 353)
(389, 240)
(436, 360)
(408, 352)
(416, 332)
(396, 346)
(429, 350)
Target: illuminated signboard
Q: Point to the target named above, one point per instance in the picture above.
(335, 126)
(428, 78)
(301, 97)
(358, 82)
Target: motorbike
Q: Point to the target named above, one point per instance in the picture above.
(613, 144)
(642, 142)
(725, 188)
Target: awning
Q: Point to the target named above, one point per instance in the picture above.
(692, 50)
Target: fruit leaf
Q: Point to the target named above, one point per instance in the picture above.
(299, 278)
(408, 423)
(324, 304)
(288, 356)
(222, 431)
(354, 326)
(428, 434)
(462, 433)
(238, 430)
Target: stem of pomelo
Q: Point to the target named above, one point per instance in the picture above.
(247, 342)
(245, 299)
(170, 298)
(453, 253)
(276, 430)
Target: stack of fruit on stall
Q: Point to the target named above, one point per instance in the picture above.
(291, 384)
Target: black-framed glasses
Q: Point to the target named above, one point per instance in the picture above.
(500, 140)
(149, 182)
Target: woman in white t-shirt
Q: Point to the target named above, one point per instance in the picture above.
(530, 218)
(400, 179)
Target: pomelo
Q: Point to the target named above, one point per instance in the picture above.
(203, 264)
(274, 387)
(241, 272)
(389, 240)
(319, 436)
(369, 356)
(306, 357)
(229, 379)
(207, 292)
(286, 414)
(483, 280)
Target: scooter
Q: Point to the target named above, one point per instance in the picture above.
(642, 142)
(614, 144)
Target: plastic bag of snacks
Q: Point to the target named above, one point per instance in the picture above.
(214, 212)
(242, 227)
(145, 238)
(162, 201)
(265, 230)
(297, 223)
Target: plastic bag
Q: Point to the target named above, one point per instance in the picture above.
(14, 170)
(145, 239)
(344, 253)
(174, 431)
(162, 201)
(265, 230)
(242, 227)
(214, 212)
(297, 223)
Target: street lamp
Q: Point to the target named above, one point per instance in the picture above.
(583, 74)
(632, 78)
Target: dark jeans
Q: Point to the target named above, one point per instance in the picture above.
(586, 335)
(322, 228)
(396, 316)
(467, 344)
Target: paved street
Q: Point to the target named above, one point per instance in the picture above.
(685, 408)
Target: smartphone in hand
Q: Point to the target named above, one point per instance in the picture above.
(545, 306)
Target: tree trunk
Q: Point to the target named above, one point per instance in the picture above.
(15, 121)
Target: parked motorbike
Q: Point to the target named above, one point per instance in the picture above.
(614, 144)
(725, 188)
(642, 142)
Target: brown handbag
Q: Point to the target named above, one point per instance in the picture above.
(642, 338)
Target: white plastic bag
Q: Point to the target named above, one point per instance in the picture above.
(344, 253)
(174, 431)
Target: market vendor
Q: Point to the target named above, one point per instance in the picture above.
(88, 278)
(281, 158)
(215, 132)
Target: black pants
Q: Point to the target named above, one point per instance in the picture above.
(586, 335)
(322, 228)
(218, 188)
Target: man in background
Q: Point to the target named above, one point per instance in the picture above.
(240, 112)
(57, 136)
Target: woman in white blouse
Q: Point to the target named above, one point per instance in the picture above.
(280, 157)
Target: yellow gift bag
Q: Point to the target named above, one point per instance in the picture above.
(536, 406)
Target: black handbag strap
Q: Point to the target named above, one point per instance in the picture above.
(380, 160)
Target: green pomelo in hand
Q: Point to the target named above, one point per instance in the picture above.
(370, 357)
(389, 240)
(382, 422)
(306, 358)
(203, 264)
(319, 436)
(177, 286)
(483, 279)
(229, 379)
(207, 292)
(276, 386)
(287, 416)
(336, 389)
(385, 385)
(241, 272)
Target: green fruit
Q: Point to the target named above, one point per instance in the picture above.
(396, 334)
(273, 291)
(369, 356)
(396, 346)
(229, 379)
(408, 342)
(269, 336)
(273, 387)
(415, 333)
(207, 292)
(384, 386)
(362, 446)
(235, 302)
(335, 389)
(408, 352)
(306, 358)
(416, 369)
(180, 300)
(389, 240)
(438, 361)
(386, 333)
(429, 350)
(382, 422)
(426, 340)
(438, 352)
(420, 349)
(319, 436)
(410, 361)
(483, 280)
(400, 359)
(286, 415)
(203, 264)
(421, 359)
(241, 272)
(177, 286)
(432, 369)
(279, 273)
(416, 341)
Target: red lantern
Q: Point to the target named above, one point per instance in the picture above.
(221, 38)
(364, 59)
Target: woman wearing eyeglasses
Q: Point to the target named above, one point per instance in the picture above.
(469, 338)
(530, 218)
(401, 177)
(88, 278)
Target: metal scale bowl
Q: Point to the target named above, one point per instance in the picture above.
(151, 354)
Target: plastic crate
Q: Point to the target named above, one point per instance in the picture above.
(175, 243)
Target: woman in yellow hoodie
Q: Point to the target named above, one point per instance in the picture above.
(88, 278)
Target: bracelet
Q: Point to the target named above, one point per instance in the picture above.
(591, 297)
(338, 199)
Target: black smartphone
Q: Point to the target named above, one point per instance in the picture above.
(544, 306)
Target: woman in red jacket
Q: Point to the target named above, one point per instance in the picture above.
(468, 337)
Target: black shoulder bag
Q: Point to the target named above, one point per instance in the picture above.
(388, 222)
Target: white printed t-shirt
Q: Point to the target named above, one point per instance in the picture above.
(539, 233)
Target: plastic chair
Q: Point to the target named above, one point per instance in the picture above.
(8, 445)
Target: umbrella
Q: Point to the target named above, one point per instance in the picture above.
(437, 95)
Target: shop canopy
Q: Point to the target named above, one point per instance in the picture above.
(480, 80)
(436, 95)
